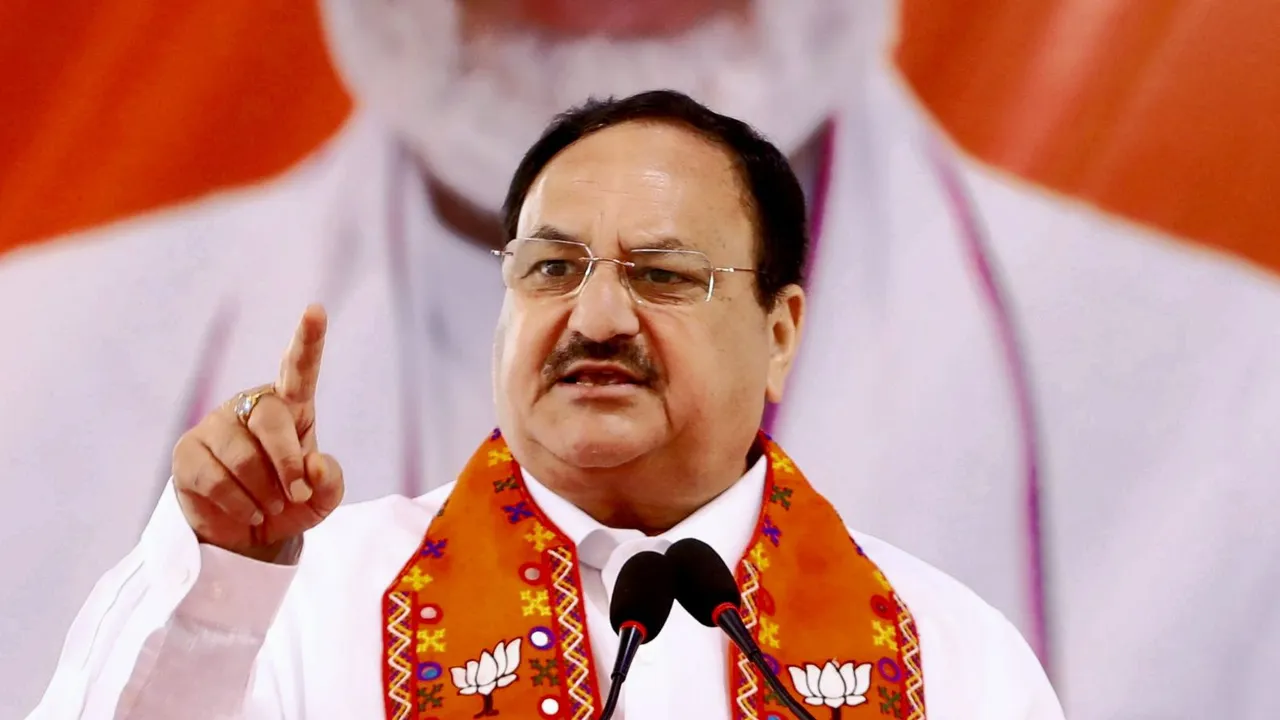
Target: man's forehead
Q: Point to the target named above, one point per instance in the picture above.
(665, 181)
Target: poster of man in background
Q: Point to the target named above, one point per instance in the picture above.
(1071, 414)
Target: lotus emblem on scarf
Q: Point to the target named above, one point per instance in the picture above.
(835, 687)
(493, 670)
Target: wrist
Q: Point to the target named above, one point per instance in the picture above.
(283, 552)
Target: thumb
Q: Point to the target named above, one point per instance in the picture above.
(324, 475)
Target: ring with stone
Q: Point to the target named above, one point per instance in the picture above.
(247, 401)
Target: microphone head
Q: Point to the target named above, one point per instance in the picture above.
(704, 584)
(643, 594)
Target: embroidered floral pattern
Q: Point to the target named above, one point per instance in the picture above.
(890, 625)
(748, 685)
(491, 671)
(398, 669)
(534, 598)
(574, 646)
(835, 687)
(911, 658)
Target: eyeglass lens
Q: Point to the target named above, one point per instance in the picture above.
(554, 267)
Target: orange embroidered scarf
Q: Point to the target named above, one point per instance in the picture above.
(487, 617)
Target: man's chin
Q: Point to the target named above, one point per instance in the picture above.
(600, 441)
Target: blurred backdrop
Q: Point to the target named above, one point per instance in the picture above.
(1044, 348)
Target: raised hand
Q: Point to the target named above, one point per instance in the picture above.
(249, 477)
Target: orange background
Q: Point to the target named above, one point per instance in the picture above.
(111, 107)
(1168, 112)
(1165, 111)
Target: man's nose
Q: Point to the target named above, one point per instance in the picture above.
(604, 308)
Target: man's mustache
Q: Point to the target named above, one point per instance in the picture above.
(620, 351)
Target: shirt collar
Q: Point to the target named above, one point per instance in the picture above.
(726, 523)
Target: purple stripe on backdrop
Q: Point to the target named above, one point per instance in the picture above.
(963, 210)
(976, 247)
(817, 213)
(411, 481)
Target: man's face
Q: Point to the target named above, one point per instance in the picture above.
(599, 379)
(611, 18)
(470, 84)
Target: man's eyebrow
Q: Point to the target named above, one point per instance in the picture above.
(664, 242)
(550, 232)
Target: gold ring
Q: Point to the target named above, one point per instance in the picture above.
(247, 401)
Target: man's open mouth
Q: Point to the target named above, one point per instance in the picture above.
(601, 375)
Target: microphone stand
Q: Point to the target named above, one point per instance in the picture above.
(629, 639)
(729, 620)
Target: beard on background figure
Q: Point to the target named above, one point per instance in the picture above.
(470, 102)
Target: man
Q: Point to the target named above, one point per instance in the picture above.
(159, 316)
(653, 305)
(1087, 439)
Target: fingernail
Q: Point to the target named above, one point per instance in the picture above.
(276, 507)
(256, 519)
(299, 491)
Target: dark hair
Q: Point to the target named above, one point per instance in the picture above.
(776, 197)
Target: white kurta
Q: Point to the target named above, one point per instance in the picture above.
(180, 629)
(1152, 369)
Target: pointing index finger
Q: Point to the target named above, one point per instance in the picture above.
(300, 369)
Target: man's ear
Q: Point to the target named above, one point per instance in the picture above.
(786, 320)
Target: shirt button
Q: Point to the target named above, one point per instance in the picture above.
(217, 591)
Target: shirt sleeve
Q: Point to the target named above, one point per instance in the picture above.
(1021, 674)
(175, 627)
(976, 663)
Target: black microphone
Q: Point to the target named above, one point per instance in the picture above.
(706, 589)
(642, 599)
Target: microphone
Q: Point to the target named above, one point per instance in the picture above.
(706, 589)
(642, 599)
